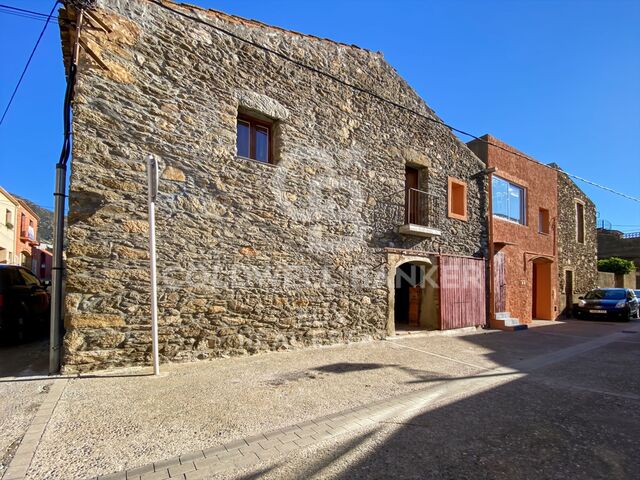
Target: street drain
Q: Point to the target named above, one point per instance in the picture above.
(629, 331)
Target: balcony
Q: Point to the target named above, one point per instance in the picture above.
(420, 214)
(28, 235)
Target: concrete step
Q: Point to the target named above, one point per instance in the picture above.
(503, 315)
(509, 324)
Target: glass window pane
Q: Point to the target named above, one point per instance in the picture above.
(515, 205)
(242, 141)
(500, 197)
(262, 144)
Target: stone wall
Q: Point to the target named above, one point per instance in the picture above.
(581, 258)
(606, 280)
(251, 256)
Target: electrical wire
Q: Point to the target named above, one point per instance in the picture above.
(24, 71)
(381, 98)
(41, 16)
(11, 10)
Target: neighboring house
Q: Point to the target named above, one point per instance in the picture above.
(8, 207)
(523, 232)
(42, 261)
(614, 243)
(542, 234)
(577, 244)
(293, 209)
(26, 234)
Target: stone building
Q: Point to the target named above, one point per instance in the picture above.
(523, 232)
(308, 196)
(577, 243)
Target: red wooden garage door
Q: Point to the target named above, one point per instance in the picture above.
(462, 292)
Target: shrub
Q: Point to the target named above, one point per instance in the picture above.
(616, 265)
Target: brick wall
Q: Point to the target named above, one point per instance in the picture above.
(524, 243)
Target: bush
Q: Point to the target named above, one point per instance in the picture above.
(616, 265)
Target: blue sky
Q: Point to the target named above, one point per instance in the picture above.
(559, 80)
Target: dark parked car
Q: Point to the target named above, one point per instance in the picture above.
(24, 304)
(618, 303)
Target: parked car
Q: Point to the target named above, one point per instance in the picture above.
(24, 304)
(618, 303)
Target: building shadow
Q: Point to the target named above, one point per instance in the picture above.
(573, 418)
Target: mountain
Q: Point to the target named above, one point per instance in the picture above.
(45, 225)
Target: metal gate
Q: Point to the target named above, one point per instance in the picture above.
(462, 292)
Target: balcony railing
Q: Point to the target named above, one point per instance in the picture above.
(410, 212)
(27, 234)
(420, 213)
(420, 207)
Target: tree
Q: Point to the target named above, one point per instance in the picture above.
(616, 265)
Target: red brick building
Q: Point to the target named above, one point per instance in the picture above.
(522, 235)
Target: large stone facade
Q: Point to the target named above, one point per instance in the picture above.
(577, 261)
(251, 256)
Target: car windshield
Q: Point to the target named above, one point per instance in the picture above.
(606, 295)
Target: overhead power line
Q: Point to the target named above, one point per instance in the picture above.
(24, 71)
(379, 97)
(22, 12)
(41, 16)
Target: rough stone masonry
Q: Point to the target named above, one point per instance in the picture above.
(251, 256)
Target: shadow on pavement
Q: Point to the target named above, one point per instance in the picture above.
(577, 418)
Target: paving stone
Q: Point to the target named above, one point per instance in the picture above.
(254, 439)
(188, 457)
(268, 453)
(161, 474)
(289, 437)
(176, 470)
(209, 452)
(287, 447)
(236, 444)
(229, 454)
(113, 476)
(305, 433)
(270, 443)
(140, 470)
(204, 463)
(246, 460)
(303, 442)
(166, 463)
(251, 449)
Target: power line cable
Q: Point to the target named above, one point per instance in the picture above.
(24, 71)
(381, 98)
(23, 11)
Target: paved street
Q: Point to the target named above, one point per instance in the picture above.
(557, 401)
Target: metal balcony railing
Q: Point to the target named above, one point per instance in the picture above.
(420, 208)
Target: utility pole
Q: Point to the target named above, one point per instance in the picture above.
(152, 176)
(59, 195)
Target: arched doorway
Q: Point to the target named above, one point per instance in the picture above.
(541, 295)
(413, 299)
